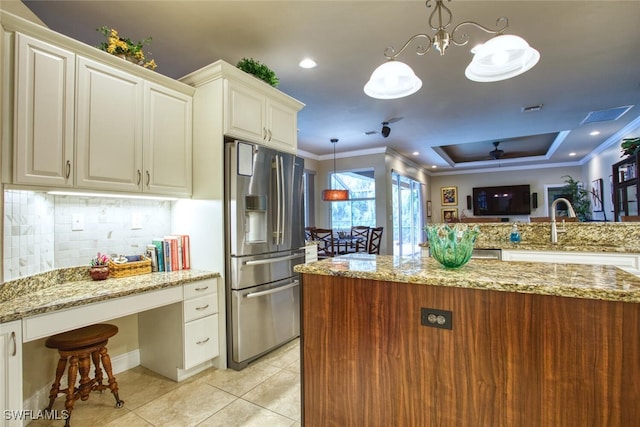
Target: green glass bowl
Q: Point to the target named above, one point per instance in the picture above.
(451, 245)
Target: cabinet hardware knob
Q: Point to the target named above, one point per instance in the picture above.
(264, 133)
(203, 341)
(15, 343)
(148, 178)
(68, 169)
(270, 135)
(202, 289)
(139, 177)
(202, 308)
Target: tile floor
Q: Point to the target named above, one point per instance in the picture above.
(266, 393)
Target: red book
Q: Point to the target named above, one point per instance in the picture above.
(186, 252)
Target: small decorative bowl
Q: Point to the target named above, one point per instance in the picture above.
(99, 272)
(451, 245)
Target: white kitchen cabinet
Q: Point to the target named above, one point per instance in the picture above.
(109, 128)
(253, 114)
(44, 113)
(11, 374)
(167, 141)
(181, 339)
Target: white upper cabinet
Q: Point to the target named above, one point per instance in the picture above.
(109, 128)
(254, 113)
(167, 139)
(44, 114)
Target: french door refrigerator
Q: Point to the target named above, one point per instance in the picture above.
(264, 236)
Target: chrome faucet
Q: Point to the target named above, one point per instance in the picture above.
(554, 228)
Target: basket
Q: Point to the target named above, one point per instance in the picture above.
(129, 268)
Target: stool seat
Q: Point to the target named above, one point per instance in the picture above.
(80, 347)
(83, 337)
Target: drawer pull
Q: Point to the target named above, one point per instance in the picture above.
(202, 289)
(202, 308)
(15, 343)
(203, 341)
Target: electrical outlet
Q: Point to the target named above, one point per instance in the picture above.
(77, 222)
(436, 318)
(136, 221)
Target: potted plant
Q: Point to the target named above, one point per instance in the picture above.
(630, 146)
(99, 267)
(579, 197)
(125, 48)
(261, 71)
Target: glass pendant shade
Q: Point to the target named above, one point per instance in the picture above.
(501, 58)
(335, 195)
(392, 80)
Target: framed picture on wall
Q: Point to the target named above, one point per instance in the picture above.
(450, 215)
(449, 196)
(428, 208)
(596, 195)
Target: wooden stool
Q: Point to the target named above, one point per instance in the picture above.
(80, 346)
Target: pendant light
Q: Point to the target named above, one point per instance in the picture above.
(331, 195)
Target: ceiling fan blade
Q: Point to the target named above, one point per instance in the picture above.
(393, 120)
(371, 132)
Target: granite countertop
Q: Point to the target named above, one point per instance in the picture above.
(66, 288)
(601, 282)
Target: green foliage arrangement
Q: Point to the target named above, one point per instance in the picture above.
(261, 71)
(125, 48)
(580, 198)
(630, 146)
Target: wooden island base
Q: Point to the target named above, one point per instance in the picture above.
(510, 359)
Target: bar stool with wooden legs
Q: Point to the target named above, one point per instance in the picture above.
(80, 347)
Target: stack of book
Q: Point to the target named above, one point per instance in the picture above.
(170, 253)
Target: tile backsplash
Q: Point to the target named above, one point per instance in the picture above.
(43, 231)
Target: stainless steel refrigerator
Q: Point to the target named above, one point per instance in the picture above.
(264, 234)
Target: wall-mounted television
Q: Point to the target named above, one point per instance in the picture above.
(502, 200)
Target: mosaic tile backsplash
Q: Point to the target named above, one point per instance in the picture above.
(39, 230)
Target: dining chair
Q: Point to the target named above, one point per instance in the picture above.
(308, 233)
(375, 239)
(325, 241)
(361, 235)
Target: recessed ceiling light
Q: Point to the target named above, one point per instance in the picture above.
(595, 132)
(415, 153)
(307, 63)
(572, 154)
(434, 166)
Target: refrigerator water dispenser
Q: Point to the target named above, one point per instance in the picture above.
(255, 219)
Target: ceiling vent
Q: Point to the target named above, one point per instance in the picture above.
(605, 115)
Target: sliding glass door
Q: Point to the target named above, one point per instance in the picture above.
(408, 216)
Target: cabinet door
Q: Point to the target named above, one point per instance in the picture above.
(44, 101)
(200, 341)
(167, 141)
(282, 127)
(10, 374)
(109, 128)
(245, 113)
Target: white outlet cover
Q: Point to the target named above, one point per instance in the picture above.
(77, 222)
(136, 221)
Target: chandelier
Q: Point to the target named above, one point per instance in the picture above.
(331, 195)
(501, 57)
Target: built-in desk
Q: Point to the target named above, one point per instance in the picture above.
(39, 306)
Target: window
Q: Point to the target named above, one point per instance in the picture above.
(361, 207)
(408, 217)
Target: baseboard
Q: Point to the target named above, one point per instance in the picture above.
(40, 399)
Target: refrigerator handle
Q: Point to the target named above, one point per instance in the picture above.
(278, 206)
(282, 201)
(272, 260)
(272, 291)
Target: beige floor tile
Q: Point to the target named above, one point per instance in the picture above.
(241, 413)
(128, 420)
(139, 386)
(239, 382)
(280, 393)
(188, 405)
(97, 411)
(284, 356)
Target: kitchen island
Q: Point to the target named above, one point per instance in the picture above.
(402, 341)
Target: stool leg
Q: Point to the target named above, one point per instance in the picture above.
(55, 388)
(84, 364)
(113, 385)
(72, 375)
(95, 356)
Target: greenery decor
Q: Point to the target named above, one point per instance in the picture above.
(580, 198)
(630, 146)
(125, 48)
(261, 71)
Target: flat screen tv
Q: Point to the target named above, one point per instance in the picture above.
(502, 200)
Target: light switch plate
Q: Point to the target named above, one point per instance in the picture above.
(136, 221)
(77, 222)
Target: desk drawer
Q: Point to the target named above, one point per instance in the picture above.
(200, 341)
(200, 307)
(198, 289)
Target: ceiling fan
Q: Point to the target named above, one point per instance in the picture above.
(386, 130)
(496, 153)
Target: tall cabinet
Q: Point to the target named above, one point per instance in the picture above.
(626, 185)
